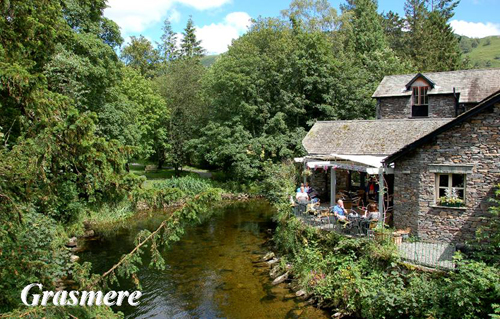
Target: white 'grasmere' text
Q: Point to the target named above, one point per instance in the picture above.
(77, 298)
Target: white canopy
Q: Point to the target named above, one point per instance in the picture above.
(362, 163)
(369, 160)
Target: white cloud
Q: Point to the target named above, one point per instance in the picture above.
(216, 37)
(137, 15)
(475, 29)
(204, 4)
(175, 16)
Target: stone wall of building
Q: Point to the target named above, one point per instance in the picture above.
(440, 106)
(475, 142)
(394, 107)
(319, 180)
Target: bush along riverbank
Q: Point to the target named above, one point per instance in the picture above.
(365, 278)
(183, 201)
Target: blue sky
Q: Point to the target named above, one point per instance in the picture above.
(220, 21)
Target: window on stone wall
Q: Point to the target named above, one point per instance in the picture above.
(450, 189)
(420, 102)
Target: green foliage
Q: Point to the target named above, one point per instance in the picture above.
(141, 55)
(365, 278)
(31, 252)
(167, 48)
(271, 85)
(315, 15)
(471, 291)
(136, 116)
(280, 181)
(487, 247)
(430, 43)
(181, 89)
(57, 63)
(479, 54)
(188, 184)
(190, 46)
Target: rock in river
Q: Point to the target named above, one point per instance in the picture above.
(280, 279)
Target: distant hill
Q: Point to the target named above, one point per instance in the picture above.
(208, 60)
(483, 53)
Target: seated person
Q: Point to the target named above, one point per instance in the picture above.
(372, 213)
(339, 211)
(298, 188)
(307, 188)
(302, 196)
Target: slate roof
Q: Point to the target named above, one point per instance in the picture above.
(485, 104)
(473, 85)
(364, 137)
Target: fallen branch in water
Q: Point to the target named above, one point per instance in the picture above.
(206, 198)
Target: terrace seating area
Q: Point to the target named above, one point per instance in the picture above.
(322, 218)
(437, 255)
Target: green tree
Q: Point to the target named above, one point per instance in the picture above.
(430, 42)
(315, 15)
(443, 45)
(136, 116)
(368, 54)
(267, 91)
(141, 55)
(190, 46)
(393, 26)
(167, 47)
(53, 162)
(182, 91)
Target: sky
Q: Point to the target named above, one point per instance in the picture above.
(218, 22)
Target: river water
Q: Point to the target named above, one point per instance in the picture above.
(210, 273)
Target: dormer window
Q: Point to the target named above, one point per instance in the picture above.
(420, 102)
(419, 86)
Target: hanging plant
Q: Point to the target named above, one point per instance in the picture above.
(306, 172)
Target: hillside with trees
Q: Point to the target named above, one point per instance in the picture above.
(481, 53)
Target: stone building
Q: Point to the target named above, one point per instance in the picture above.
(462, 156)
(437, 138)
(434, 95)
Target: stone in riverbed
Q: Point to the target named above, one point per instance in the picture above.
(268, 256)
(302, 294)
(273, 261)
(72, 242)
(280, 279)
(275, 271)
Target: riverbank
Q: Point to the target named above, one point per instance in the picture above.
(212, 271)
(363, 278)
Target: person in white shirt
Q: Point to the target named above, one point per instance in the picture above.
(302, 196)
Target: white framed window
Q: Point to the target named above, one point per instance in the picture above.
(450, 189)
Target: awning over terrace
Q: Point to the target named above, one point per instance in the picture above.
(361, 163)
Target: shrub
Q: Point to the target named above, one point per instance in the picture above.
(188, 184)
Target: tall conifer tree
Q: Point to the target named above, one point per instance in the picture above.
(430, 42)
(190, 45)
(167, 46)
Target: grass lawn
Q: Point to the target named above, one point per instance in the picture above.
(164, 173)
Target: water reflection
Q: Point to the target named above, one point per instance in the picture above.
(209, 273)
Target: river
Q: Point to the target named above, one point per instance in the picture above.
(210, 273)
